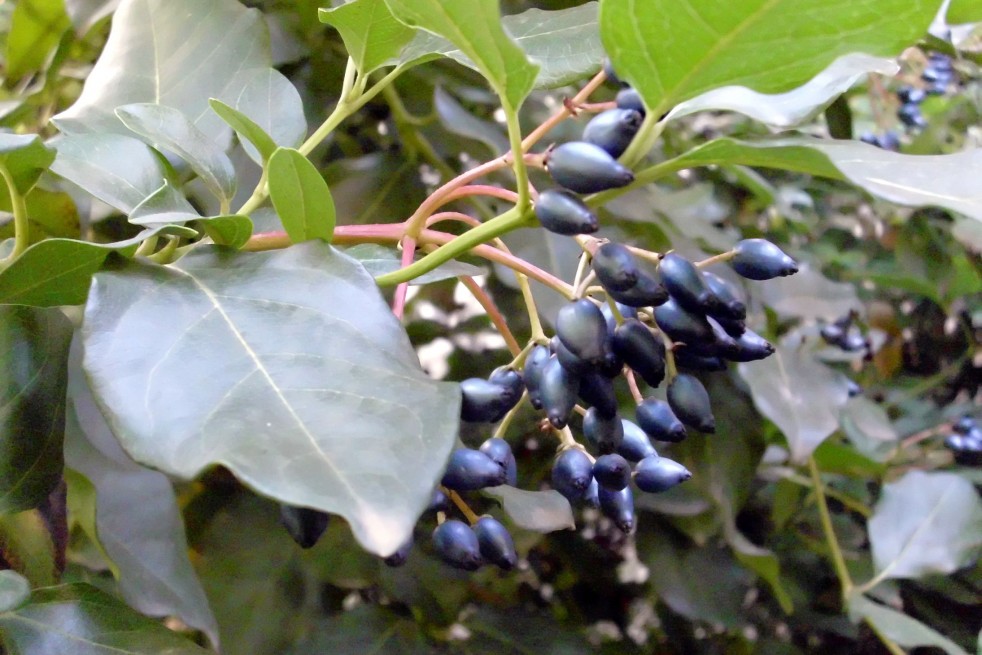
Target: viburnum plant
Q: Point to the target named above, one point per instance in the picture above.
(213, 318)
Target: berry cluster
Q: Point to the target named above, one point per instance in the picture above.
(965, 441)
(845, 335)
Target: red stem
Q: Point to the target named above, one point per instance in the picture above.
(481, 190)
(399, 300)
(493, 313)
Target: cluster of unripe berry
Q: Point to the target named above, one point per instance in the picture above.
(965, 441)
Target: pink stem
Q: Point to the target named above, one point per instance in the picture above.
(399, 300)
(493, 313)
(481, 190)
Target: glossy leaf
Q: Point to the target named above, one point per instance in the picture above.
(35, 29)
(474, 27)
(808, 295)
(799, 394)
(27, 546)
(371, 34)
(869, 428)
(14, 590)
(25, 157)
(785, 110)
(168, 130)
(33, 371)
(365, 629)
(902, 629)
(761, 561)
(306, 388)
(85, 13)
(379, 260)
(57, 272)
(254, 138)
(177, 53)
(673, 51)
(459, 121)
(119, 170)
(232, 230)
(301, 196)
(538, 511)
(83, 620)
(925, 523)
(165, 205)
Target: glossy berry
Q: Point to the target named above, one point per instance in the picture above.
(731, 304)
(629, 98)
(751, 347)
(964, 425)
(604, 434)
(618, 506)
(658, 421)
(759, 259)
(581, 327)
(636, 445)
(685, 359)
(456, 544)
(646, 292)
(613, 130)
(586, 168)
(732, 327)
(611, 75)
(626, 313)
(495, 543)
(591, 498)
(911, 95)
(470, 469)
(484, 401)
(612, 471)
(910, 115)
(303, 524)
(532, 372)
(439, 502)
(598, 392)
(690, 403)
(686, 285)
(657, 474)
(641, 350)
(616, 267)
(399, 557)
(682, 325)
(569, 361)
(558, 391)
(500, 453)
(572, 473)
(564, 213)
(511, 381)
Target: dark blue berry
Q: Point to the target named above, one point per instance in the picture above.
(690, 403)
(641, 350)
(569, 361)
(456, 544)
(751, 347)
(911, 95)
(611, 75)
(591, 497)
(470, 469)
(484, 401)
(618, 506)
(511, 381)
(853, 389)
(439, 502)
(500, 452)
(581, 327)
(759, 259)
(910, 115)
(564, 213)
(646, 292)
(399, 557)
(682, 325)
(558, 390)
(304, 525)
(684, 359)
(612, 471)
(616, 267)
(572, 473)
(733, 328)
(731, 304)
(613, 130)
(656, 474)
(604, 434)
(598, 391)
(535, 363)
(686, 285)
(586, 168)
(629, 98)
(965, 424)
(659, 422)
(636, 445)
(495, 543)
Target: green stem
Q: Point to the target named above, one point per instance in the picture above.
(642, 143)
(22, 233)
(890, 644)
(166, 254)
(506, 222)
(518, 157)
(838, 561)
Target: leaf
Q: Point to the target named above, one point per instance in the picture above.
(458, 120)
(289, 369)
(809, 295)
(177, 53)
(371, 34)
(520, 631)
(257, 143)
(138, 523)
(233, 230)
(869, 428)
(906, 631)
(271, 101)
(165, 205)
(474, 27)
(27, 546)
(365, 629)
(539, 511)
(167, 129)
(33, 357)
(25, 157)
(673, 51)
(912, 180)
(86, 13)
(799, 394)
(925, 523)
(35, 29)
(14, 590)
(57, 272)
(82, 620)
(379, 260)
(301, 196)
(119, 170)
(785, 110)
(761, 561)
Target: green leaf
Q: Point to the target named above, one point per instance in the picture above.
(57, 272)
(371, 34)
(26, 546)
(165, 205)
(177, 53)
(365, 629)
(673, 51)
(474, 27)
(233, 230)
(925, 523)
(523, 632)
(137, 521)
(963, 11)
(86, 13)
(869, 428)
(538, 511)
(785, 110)
(808, 295)
(33, 365)
(271, 101)
(458, 120)
(906, 631)
(25, 157)
(119, 170)
(254, 139)
(14, 590)
(379, 260)
(167, 129)
(36, 27)
(799, 394)
(761, 561)
(82, 620)
(289, 369)
(301, 196)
